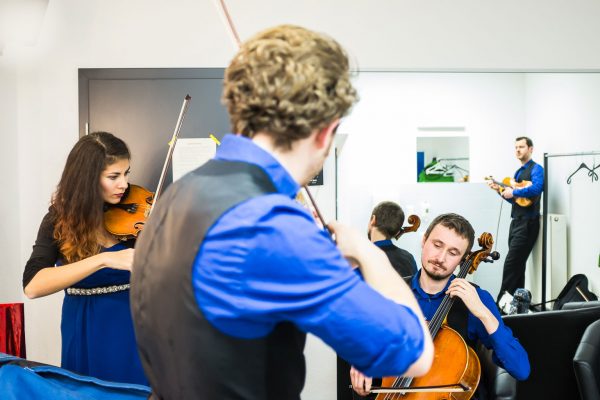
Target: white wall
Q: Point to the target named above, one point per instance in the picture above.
(10, 272)
(379, 154)
(437, 34)
(39, 92)
(563, 109)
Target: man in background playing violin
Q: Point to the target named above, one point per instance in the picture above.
(445, 243)
(525, 224)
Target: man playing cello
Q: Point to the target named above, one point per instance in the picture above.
(447, 240)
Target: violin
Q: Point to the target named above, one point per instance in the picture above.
(456, 370)
(127, 218)
(511, 183)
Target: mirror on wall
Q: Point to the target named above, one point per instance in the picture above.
(475, 115)
(442, 158)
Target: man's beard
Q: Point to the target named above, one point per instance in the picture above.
(435, 277)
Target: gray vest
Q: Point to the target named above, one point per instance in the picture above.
(183, 355)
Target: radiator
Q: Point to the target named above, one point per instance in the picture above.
(556, 260)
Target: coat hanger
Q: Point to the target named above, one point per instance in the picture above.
(454, 168)
(437, 168)
(583, 165)
(593, 172)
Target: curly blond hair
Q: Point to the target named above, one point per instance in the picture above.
(286, 82)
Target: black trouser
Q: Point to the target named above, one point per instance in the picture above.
(521, 238)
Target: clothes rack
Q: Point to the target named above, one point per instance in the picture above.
(546, 213)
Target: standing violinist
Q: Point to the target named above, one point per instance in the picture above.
(74, 252)
(475, 317)
(525, 224)
(231, 271)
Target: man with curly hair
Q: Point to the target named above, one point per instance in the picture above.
(231, 272)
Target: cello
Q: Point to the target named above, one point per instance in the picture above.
(455, 371)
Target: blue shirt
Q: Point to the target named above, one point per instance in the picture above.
(265, 261)
(507, 351)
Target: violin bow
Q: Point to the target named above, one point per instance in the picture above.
(319, 215)
(172, 143)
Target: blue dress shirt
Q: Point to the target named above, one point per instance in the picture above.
(265, 261)
(507, 351)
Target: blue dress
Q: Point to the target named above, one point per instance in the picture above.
(97, 330)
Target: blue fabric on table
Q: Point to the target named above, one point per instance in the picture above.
(22, 379)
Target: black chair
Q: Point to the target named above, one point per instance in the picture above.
(551, 339)
(495, 383)
(581, 304)
(587, 363)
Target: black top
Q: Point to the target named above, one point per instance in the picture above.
(403, 262)
(45, 251)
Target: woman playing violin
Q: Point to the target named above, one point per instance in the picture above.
(476, 318)
(74, 252)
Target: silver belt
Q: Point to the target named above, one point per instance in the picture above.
(97, 290)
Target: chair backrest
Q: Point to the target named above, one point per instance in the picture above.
(587, 363)
(551, 339)
(580, 304)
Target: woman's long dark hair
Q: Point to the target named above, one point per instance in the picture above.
(78, 200)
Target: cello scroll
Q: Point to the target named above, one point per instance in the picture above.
(415, 223)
